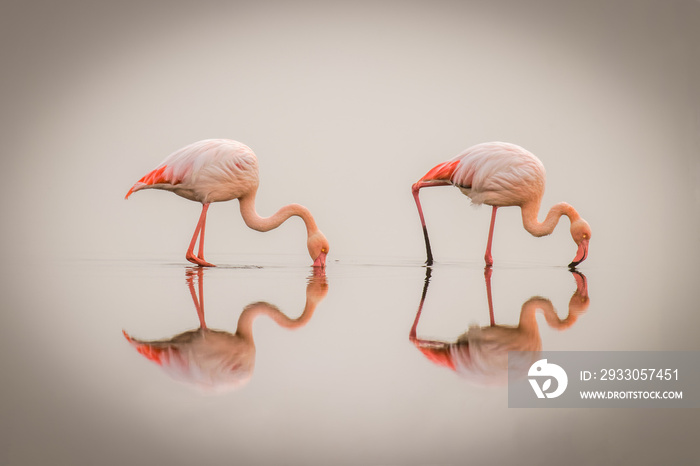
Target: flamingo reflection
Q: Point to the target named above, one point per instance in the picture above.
(217, 361)
(481, 354)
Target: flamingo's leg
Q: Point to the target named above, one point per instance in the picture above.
(200, 254)
(487, 257)
(415, 188)
(190, 255)
(199, 231)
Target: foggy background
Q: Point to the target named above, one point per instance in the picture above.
(346, 105)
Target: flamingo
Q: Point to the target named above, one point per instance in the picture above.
(481, 354)
(500, 174)
(217, 170)
(216, 361)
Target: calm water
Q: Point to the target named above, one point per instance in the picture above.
(338, 382)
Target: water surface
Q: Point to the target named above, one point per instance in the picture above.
(347, 383)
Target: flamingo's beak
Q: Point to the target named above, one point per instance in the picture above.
(320, 260)
(581, 254)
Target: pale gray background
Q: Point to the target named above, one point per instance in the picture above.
(346, 105)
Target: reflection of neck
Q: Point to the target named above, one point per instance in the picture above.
(252, 311)
(528, 314)
(256, 222)
(535, 228)
(528, 321)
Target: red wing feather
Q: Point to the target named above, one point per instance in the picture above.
(444, 171)
(157, 176)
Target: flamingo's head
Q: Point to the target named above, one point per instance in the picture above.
(581, 233)
(318, 248)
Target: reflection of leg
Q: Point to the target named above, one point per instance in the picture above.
(438, 352)
(198, 301)
(487, 257)
(412, 334)
(487, 276)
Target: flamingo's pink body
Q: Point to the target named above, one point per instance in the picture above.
(501, 174)
(217, 170)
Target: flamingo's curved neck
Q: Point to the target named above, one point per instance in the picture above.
(256, 222)
(535, 228)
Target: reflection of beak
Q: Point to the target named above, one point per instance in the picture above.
(581, 283)
(581, 254)
(320, 260)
